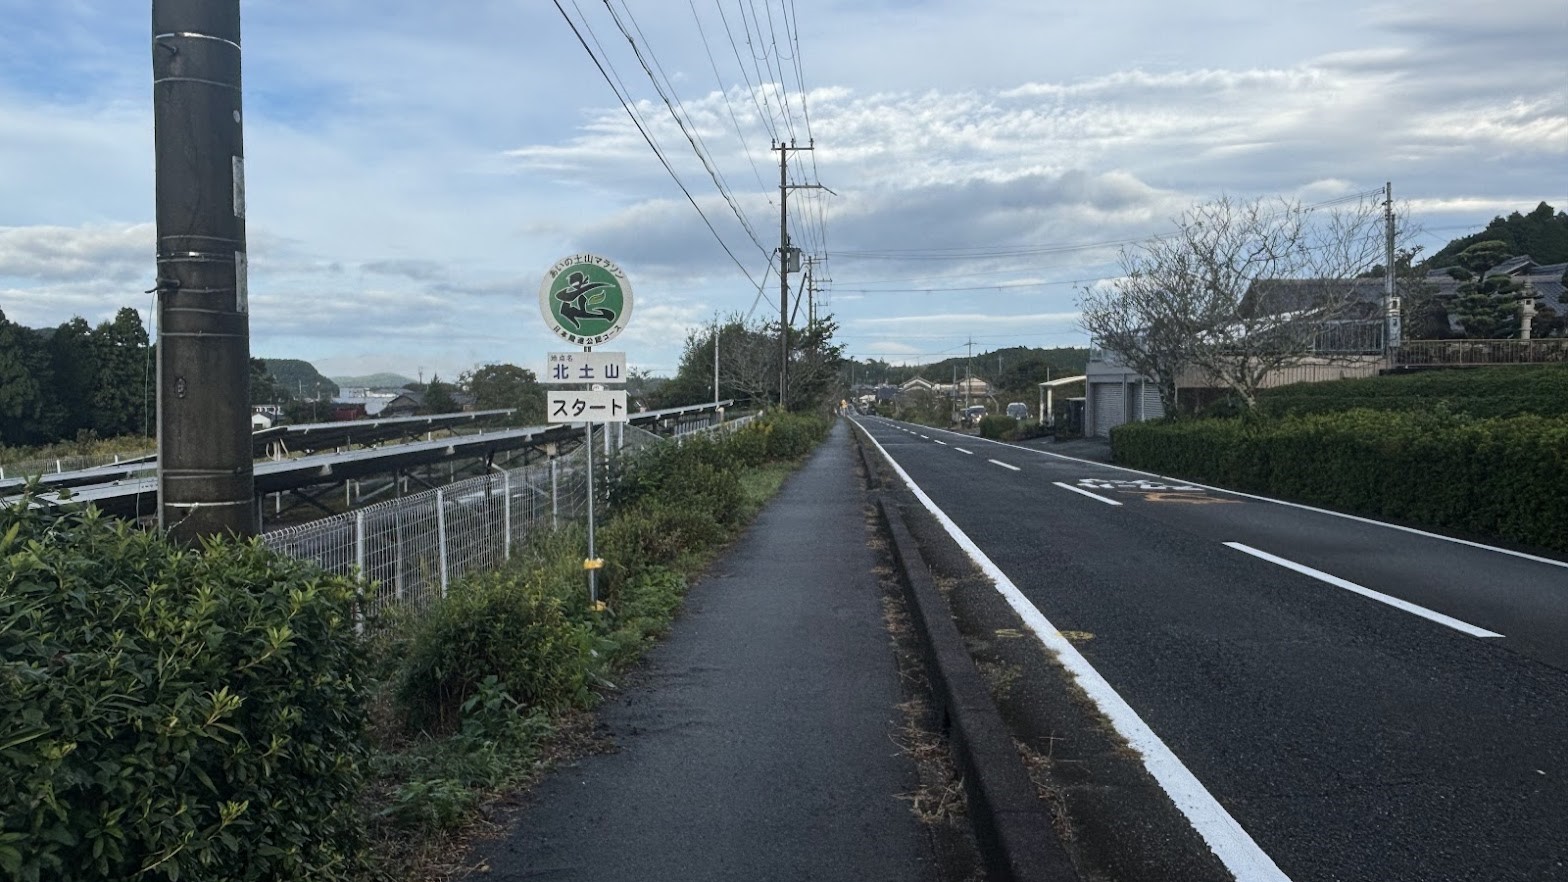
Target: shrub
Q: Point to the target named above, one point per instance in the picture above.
(172, 713)
(995, 425)
(1493, 477)
(511, 624)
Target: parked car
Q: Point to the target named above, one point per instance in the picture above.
(971, 415)
(1018, 410)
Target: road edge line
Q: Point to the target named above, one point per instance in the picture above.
(1234, 847)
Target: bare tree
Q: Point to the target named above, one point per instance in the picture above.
(1241, 290)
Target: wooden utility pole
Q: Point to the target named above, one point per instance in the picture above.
(206, 481)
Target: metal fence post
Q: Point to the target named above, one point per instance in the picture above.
(441, 536)
(506, 517)
(359, 563)
(555, 494)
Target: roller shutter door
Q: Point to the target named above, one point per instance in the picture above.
(1108, 409)
(1151, 408)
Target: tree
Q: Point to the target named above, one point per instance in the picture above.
(438, 397)
(1238, 291)
(264, 387)
(500, 386)
(24, 379)
(749, 365)
(73, 360)
(122, 397)
(1487, 306)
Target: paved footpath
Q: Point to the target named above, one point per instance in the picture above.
(758, 744)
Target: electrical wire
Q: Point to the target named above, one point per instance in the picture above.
(681, 117)
(656, 151)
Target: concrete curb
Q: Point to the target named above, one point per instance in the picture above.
(1011, 825)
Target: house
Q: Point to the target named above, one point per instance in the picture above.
(410, 402)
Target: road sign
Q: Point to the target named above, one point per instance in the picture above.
(585, 367)
(585, 299)
(586, 407)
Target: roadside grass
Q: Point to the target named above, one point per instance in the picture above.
(479, 694)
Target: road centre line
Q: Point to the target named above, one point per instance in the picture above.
(1086, 493)
(1224, 836)
(1285, 502)
(1004, 465)
(962, 450)
(1380, 597)
(940, 441)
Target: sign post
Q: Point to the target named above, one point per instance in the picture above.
(587, 300)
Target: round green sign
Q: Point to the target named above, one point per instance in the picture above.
(585, 299)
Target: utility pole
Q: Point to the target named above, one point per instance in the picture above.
(715, 358)
(969, 373)
(786, 253)
(1392, 332)
(206, 477)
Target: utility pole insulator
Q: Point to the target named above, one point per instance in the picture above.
(206, 483)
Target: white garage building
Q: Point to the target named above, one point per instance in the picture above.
(1116, 394)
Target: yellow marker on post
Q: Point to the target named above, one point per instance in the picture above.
(593, 563)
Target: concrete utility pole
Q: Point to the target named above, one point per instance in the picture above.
(786, 254)
(206, 483)
(1392, 331)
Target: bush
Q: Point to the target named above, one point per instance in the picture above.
(169, 713)
(1479, 392)
(1500, 478)
(512, 624)
(995, 425)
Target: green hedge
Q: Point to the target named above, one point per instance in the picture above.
(1478, 392)
(171, 714)
(1501, 478)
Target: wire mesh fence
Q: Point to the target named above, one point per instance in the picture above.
(411, 549)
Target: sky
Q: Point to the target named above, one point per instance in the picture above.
(414, 168)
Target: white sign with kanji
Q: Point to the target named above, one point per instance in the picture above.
(586, 407)
(585, 367)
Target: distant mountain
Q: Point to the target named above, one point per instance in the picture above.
(300, 378)
(373, 381)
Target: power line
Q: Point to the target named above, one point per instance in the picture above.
(656, 151)
(725, 93)
(693, 137)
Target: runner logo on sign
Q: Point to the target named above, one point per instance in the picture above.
(585, 299)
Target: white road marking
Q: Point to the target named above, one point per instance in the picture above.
(1226, 838)
(1086, 493)
(962, 450)
(927, 437)
(1380, 597)
(1303, 506)
(1004, 465)
(940, 441)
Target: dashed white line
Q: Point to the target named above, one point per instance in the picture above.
(940, 441)
(1380, 597)
(1086, 493)
(1004, 465)
(962, 450)
(927, 437)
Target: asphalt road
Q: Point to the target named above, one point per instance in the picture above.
(1366, 702)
